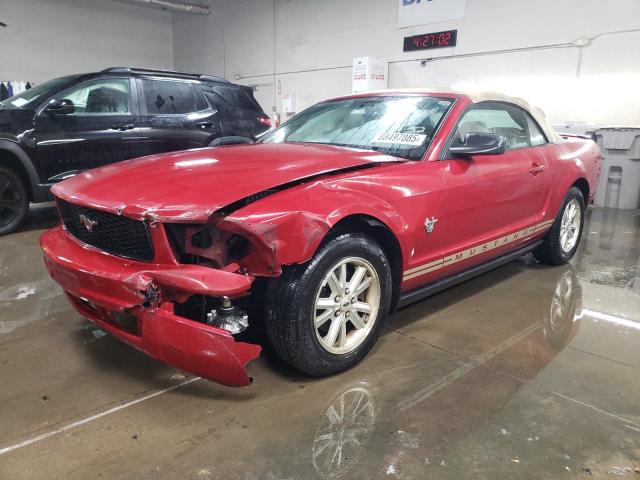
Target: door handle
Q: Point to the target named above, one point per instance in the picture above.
(122, 128)
(536, 168)
(204, 124)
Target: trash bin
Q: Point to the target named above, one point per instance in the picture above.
(619, 185)
(575, 128)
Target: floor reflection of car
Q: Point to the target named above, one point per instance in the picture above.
(345, 426)
(565, 308)
(370, 406)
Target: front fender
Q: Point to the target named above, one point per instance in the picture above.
(296, 224)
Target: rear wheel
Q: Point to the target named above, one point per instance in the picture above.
(562, 240)
(324, 316)
(14, 200)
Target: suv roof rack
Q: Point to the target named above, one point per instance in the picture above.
(168, 73)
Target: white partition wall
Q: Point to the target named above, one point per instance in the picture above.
(308, 47)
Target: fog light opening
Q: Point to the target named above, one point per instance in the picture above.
(126, 321)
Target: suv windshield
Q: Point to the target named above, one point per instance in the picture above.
(29, 98)
(401, 126)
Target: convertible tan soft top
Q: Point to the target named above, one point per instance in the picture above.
(536, 112)
(480, 96)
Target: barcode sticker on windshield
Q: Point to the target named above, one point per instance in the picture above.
(401, 138)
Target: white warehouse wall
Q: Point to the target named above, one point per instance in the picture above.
(49, 38)
(307, 47)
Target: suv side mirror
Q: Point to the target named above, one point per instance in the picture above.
(478, 144)
(60, 107)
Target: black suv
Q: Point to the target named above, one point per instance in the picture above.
(70, 124)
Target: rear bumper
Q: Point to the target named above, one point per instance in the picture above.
(101, 286)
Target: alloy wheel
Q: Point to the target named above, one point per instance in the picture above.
(346, 305)
(570, 225)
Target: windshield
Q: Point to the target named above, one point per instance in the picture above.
(401, 126)
(29, 98)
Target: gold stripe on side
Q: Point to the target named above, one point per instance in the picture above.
(473, 251)
(423, 272)
(426, 265)
(544, 225)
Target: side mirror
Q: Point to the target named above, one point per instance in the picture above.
(60, 107)
(478, 144)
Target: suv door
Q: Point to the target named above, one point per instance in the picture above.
(175, 115)
(489, 198)
(103, 128)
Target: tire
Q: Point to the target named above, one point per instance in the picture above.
(293, 298)
(14, 201)
(554, 250)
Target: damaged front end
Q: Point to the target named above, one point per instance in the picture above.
(181, 313)
(166, 252)
(177, 291)
(241, 244)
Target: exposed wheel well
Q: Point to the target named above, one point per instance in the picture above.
(583, 185)
(10, 160)
(384, 236)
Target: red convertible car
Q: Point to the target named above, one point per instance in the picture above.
(353, 208)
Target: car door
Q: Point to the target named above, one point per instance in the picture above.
(102, 128)
(491, 201)
(175, 115)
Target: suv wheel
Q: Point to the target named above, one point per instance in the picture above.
(324, 316)
(562, 240)
(14, 201)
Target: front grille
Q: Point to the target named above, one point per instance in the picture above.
(111, 233)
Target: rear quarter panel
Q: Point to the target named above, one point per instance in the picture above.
(569, 161)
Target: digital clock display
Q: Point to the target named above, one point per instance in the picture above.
(428, 41)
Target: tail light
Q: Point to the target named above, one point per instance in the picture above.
(265, 121)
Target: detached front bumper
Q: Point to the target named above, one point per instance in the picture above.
(102, 288)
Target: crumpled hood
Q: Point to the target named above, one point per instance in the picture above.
(189, 186)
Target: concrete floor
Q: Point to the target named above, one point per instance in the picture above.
(525, 372)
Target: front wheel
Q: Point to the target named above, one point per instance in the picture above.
(14, 201)
(562, 240)
(324, 316)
